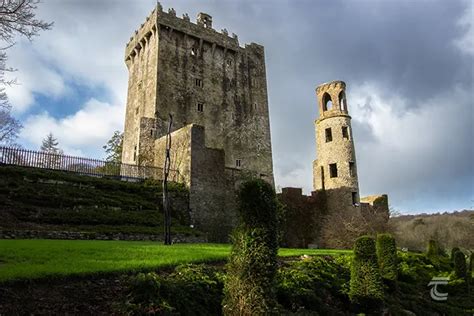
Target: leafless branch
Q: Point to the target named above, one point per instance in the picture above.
(18, 17)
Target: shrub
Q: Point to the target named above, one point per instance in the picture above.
(309, 284)
(250, 282)
(190, 290)
(471, 269)
(453, 251)
(471, 263)
(387, 256)
(433, 249)
(366, 289)
(460, 268)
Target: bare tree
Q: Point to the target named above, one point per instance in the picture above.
(342, 228)
(17, 17)
(9, 127)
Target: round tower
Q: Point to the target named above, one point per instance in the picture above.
(335, 169)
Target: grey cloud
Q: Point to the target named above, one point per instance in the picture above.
(403, 49)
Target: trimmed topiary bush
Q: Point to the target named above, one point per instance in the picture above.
(453, 251)
(250, 283)
(366, 288)
(433, 249)
(387, 257)
(460, 267)
(471, 263)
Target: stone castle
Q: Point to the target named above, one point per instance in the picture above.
(216, 93)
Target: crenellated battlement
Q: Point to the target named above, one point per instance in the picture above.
(332, 85)
(331, 98)
(201, 29)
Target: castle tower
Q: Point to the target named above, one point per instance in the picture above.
(216, 91)
(335, 169)
(200, 76)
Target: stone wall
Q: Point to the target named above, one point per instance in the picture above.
(180, 153)
(203, 77)
(303, 216)
(211, 185)
(69, 235)
(307, 216)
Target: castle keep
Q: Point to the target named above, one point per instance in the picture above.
(216, 92)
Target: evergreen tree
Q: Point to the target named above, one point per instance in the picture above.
(113, 148)
(53, 154)
(50, 145)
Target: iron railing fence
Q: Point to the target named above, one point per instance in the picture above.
(81, 165)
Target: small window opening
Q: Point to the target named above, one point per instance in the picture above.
(333, 170)
(238, 163)
(327, 102)
(193, 51)
(351, 169)
(328, 133)
(200, 107)
(135, 153)
(354, 198)
(345, 133)
(136, 111)
(255, 106)
(342, 101)
(198, 83)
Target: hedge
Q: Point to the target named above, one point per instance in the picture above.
(387, 257)
(250, 283)
(366, 288)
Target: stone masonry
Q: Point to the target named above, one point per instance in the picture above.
(335, 167)
(200, 76)
(216, 92)
(335, 181)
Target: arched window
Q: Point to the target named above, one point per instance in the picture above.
(342, 101)
(327, 102)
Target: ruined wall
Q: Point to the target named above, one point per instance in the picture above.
(211, 186)
(303, 217)
(204, 77)
(376, 204)
(212, 200)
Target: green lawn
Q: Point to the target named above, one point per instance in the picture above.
(21, 259)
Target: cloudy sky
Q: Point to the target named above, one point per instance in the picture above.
(408, 66)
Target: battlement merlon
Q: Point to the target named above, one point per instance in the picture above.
(332, 84)
(202, 29)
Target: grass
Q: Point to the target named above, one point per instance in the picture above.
(29, 259)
